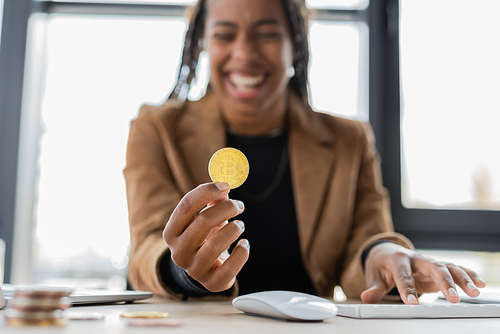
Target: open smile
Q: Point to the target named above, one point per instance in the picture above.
(245, 85)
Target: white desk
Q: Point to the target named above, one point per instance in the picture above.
(222, 317)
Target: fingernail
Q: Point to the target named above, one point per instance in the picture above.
(222, 186)
(481, 280)
(244, 243)
(453, 292)
(240, 224)
(412, 299)
(471, 286)
(239, 205)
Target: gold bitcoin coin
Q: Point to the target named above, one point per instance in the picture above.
(144, 314)
(229, 165)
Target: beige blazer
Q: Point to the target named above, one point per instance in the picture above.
(340, 202)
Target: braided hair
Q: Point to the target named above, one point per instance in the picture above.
(297, 16)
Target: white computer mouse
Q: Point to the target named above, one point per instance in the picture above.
(286, 305)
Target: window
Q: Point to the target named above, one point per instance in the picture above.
(1, 17)
(344, 4)
(449, 81)
(99, 71)
(339, 68)
(100, 61)
(440, 164)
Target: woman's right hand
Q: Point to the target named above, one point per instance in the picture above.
(199, 235)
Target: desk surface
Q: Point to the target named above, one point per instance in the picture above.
(221, 317)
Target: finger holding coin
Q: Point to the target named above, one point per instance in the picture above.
(226, 164)
(191, 205)
(230, 166)
(202, 227)
(213, 253)
(198, 232)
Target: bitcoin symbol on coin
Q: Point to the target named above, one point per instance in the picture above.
(228, 169)
(229, 165)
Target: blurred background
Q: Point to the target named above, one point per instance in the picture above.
(74, 73)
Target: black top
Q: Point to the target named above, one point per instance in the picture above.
(270, 221)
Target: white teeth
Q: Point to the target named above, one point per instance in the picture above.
(246, 82)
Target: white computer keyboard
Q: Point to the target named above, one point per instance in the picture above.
(400, 311)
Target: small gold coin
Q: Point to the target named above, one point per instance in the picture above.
(155, 323)
(229, 165)
(144, 314)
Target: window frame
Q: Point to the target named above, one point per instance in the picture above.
(12, 51)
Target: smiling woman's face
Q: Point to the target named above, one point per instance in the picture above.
(250, 50)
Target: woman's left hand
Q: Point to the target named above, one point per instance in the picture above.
(389, 265)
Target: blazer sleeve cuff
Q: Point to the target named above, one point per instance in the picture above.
(145, 272)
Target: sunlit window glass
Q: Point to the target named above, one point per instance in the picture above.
(145, 2)
(338, 73)
(99, 71)
(450, 109)
(345, 4)
(1, 17)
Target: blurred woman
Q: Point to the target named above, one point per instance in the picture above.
(313, 208)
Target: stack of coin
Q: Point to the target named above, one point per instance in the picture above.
(38, 307)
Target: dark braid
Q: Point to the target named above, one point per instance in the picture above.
(296, 13)
(190, 53)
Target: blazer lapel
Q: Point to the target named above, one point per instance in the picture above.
(312, 165)
(201, 132)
